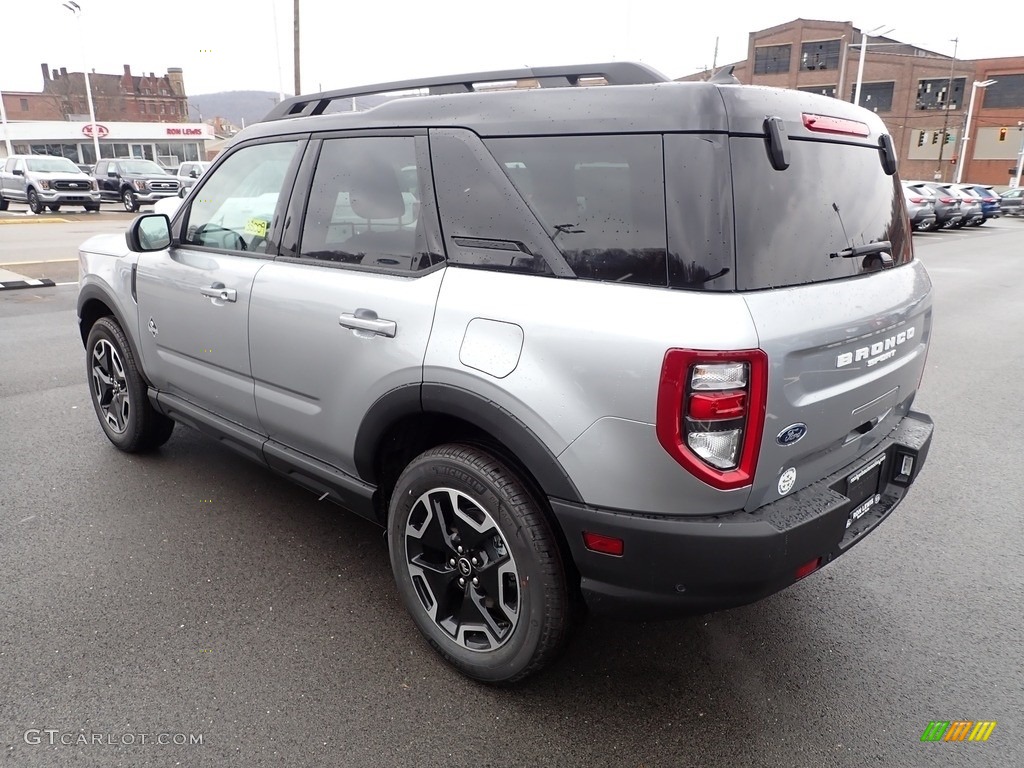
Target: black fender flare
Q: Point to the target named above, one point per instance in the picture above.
(95, 292)
(448, 400)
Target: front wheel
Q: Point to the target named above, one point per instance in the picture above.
(3, 204)
(477, 564)
(131, 202)
(34, 204)
(119, 393)
(54, 208)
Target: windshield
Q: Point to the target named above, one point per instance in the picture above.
(142, 166)
(51, 165)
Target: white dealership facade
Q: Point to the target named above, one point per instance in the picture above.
(169, 144)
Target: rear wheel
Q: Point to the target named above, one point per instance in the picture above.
(54, 208)
(34, 204)
(3, 204)
(477, 564)
(119, 393)
(92, 207)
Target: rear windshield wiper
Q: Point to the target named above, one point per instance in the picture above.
(869, 249)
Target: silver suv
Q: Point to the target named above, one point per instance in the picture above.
(42, 181)
(626, 344)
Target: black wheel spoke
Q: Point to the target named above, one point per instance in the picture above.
(461, 569)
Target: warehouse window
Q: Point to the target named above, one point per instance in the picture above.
(931, 94)
(820, 54)
(771, 59)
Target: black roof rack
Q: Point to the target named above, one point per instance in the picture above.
(613, 73)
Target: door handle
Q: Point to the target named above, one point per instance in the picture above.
(218, 291)
(367, 320)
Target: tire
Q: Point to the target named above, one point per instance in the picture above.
(130, 201)
(3, 204)
(33, 202)
(54, 208)
(119, 393)
(92, 208)
(458, 513)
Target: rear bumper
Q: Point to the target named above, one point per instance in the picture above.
(673, 567)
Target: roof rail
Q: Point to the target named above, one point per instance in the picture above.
(614, 73)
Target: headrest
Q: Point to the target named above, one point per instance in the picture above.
(375, 193)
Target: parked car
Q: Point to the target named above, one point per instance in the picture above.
(990, 207)
(921, 208)
(715, 402)
(1010, 202)
(133, 182)
(970, 205)
(947, 205)
(43, 181)
(188, 174)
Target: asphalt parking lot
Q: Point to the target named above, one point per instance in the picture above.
(193, 595)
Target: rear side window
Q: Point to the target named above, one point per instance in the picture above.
(365, 206)
(601, 200)
(831, 197)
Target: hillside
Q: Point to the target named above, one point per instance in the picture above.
(238, 107)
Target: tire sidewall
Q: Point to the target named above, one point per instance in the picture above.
(106, 329)
(34, 204)
(128, 200)
(432, 472)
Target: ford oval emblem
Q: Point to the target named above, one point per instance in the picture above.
(791, 434)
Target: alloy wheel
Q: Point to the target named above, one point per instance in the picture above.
(462, 569)
(110, 386)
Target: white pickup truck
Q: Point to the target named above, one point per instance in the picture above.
(42, 182)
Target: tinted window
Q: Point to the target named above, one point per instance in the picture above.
(831, 197)
(236, 206)
(365, 204)
(600, 198)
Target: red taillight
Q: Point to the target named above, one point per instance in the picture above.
(710, 413)
(808, 568)
(604, 545)
(826, 124)
(717, 406)
(917, 199)
(947, 200)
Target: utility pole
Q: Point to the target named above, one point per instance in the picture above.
(945, 120)
(298, 79)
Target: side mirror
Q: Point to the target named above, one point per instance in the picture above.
(194, 173)
(151, 232)
(18, 172)
(112, 172)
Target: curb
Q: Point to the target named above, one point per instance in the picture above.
(28, 282)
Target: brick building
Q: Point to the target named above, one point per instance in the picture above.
(909, 88)
(116, 98)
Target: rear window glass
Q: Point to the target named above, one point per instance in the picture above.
(832, 197)
(601, 200)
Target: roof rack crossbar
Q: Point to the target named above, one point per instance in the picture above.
(613, 73)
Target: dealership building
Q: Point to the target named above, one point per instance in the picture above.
(169, 144)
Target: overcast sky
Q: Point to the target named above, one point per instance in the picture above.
(222, 48)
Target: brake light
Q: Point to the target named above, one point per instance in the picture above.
(947, 200)
(826, 124)
(917, 199)
(710, 413)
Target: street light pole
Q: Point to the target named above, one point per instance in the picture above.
(860, 67)
(945, 119)
(967, 126)
(76, 10)
(3, 121)
(1020, 155)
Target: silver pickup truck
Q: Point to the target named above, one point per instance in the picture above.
(46, 182)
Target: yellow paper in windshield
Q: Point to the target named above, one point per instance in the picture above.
(257, 227)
